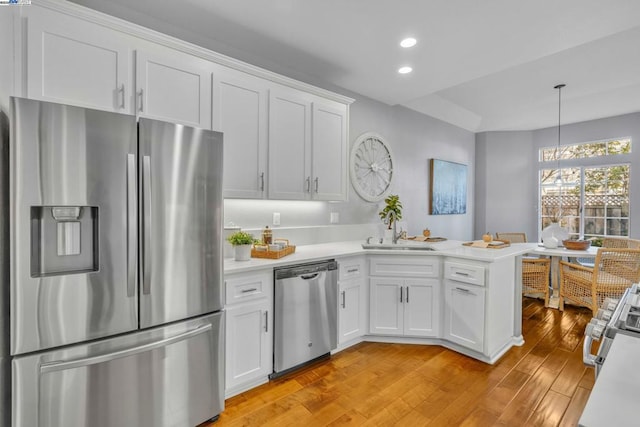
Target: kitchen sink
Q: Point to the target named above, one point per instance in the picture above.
(413, 246)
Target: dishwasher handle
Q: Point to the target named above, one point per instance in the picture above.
(309, 276)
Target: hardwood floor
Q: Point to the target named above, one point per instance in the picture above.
(542, 383)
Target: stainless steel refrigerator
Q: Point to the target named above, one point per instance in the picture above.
(115, 269)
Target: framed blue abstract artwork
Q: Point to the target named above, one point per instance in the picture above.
(447, 187)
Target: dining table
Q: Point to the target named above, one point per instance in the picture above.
(556, 254)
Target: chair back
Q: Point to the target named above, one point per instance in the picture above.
(512, 237)
(620, 242)
(620, 262)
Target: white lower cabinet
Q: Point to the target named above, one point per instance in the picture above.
(352, 306)
(464, 314)
(249, 330)
(408, 307)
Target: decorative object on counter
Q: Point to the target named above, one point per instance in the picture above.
(228, 247)
(242, 242)
(494, 244)
(577, 245)
(390, 215)
(427, 239)
(267, 235)
(487, 237)
(371, 167)
(278, 249)
(426, 232)
(447, 187)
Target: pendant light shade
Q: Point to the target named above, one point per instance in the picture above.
(558, 180)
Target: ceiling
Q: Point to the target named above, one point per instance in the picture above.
(480, 65)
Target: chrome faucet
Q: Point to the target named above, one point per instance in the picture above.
(394, 220)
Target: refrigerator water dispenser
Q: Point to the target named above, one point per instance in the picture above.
(64, 240)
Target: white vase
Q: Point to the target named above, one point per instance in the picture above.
(242, 252)
(388, 236)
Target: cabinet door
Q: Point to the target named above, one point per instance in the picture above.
(422, 308)
(240, 113)
(349, 311)
(329, 151)
(71, 61)
(174, 87)
(289, 145)
(248, 347)
(386, 308)
(464, 315)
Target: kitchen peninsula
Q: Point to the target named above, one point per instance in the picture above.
(463, 298)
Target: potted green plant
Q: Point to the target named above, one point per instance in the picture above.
(242, 242)
(390, 215)
(392, 210)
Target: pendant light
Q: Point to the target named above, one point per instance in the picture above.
(558, 181)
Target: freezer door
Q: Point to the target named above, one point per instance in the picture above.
(73, 224)
(181, 202)
(166, 376)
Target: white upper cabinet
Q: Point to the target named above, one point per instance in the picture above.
(240, 112)
(72, 61)
(307, 147)
(174, 87)
(329, 151)
(289, 144)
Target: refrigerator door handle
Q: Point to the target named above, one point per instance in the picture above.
(146, 247)
(132, 230)
(94, 360)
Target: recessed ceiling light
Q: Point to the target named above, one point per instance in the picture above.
(408, 42)
(405, 70)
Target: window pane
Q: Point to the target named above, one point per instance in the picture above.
(617, 227)
(594, 226)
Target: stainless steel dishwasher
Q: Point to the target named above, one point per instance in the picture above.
(305, 314)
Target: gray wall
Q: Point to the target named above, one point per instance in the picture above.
(507, 171)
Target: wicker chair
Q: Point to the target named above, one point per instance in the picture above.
(620, 242)
(535, 271)
(615, 269)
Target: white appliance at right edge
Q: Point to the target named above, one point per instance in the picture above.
(115, 269)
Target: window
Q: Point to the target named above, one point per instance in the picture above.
(593, 199)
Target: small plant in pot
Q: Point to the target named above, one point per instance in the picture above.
(242, 242)
(391, 213)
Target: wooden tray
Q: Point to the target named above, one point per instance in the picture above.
(505, 243)
(272, 254)
(427, 239)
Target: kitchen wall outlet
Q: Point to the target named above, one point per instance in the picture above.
(334, 218)
(276, 218)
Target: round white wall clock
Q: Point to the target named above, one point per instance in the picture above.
(371, 167)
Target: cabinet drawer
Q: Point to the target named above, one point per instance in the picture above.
(466, 273)
(350, 268)
(398, 266)
(248, 287)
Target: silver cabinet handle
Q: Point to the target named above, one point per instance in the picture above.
(146, 247)
(466, 291)
(401, 291)
(60, 366)
(121, 91)
(262, 181)
(132, 226)
(141, 97)
(308, 184)
(244, 291)
(266, 321)
(344, 299)
(316, 181)
(459, 273)
(352, 270)
(407, 294)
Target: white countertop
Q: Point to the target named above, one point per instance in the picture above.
(310, 253)
(614, 400)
